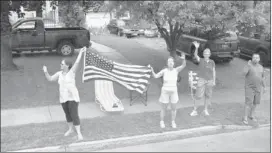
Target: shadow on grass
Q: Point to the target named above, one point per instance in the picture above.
(114, 126)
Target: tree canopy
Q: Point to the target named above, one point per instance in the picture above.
(206, 16)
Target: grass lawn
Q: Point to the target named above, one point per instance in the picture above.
(114, 126)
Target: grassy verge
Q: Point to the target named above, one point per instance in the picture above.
(113, 126)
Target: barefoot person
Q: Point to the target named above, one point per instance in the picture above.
(206, 81)
(254, 84)
(169, 92)
(68, 93)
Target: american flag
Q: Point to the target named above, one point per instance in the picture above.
(133, 77)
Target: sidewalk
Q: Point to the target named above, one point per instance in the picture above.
(53, 113)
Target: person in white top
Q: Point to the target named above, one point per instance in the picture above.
(169, 91)
(68, 93)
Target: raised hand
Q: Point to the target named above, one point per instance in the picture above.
(44, 69)
(83, 49)
(182, 56)
(152, 70)
(196, 44)
(249, 63)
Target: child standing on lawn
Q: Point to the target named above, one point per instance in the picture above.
(169, 91)
(68, 93)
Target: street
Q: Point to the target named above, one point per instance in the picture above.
(257, 140)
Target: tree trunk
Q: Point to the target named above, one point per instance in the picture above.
(6, 53)
(39, 12)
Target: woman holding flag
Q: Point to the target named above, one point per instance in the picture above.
(169, 91)
(68, 93)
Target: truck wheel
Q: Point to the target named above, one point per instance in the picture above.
(66, 48)
(228, 60)
(263, 57)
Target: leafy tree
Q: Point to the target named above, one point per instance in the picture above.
(34, 6)
(210, 17)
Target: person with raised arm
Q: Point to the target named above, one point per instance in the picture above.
(254, 86)
(207, 77)
(68, 92)
(169, 91)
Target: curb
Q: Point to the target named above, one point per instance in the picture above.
(140, 139)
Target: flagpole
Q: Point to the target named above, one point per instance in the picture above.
(84, 60)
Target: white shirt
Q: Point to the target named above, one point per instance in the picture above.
(67, 86)
(170, 78)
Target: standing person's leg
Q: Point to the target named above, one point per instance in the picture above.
(73, 108)
(174, 100)
(164, 100)
(200, 90)
(68, 118)
(256, 101)
(162, 114)
(208, 97)
(249, 97)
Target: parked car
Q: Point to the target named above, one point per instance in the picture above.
(154, 32)
(256, 43)
(32, 35)
(223, 45)
(151, 32)
(125, 27)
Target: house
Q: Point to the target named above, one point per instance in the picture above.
(102, 18)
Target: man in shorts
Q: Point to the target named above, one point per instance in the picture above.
(254, 85)
(206, 74)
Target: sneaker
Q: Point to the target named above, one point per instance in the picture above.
(245, 121)
(162, 124)
(252, 118)
(206, 112)
(194, 113)
(79, 137)
(68, 133)
(174, 124)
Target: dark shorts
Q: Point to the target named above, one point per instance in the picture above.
(252, 96)
(70, 109)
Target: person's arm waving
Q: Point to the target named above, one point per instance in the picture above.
(180, 68)
(49, 77)
(75, 66)
(214, 74)
(196, 51)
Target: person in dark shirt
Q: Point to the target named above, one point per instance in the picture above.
(254, 85)
(207, 76)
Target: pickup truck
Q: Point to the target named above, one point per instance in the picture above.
(223, 46)
(30, 34)
(256, 43)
